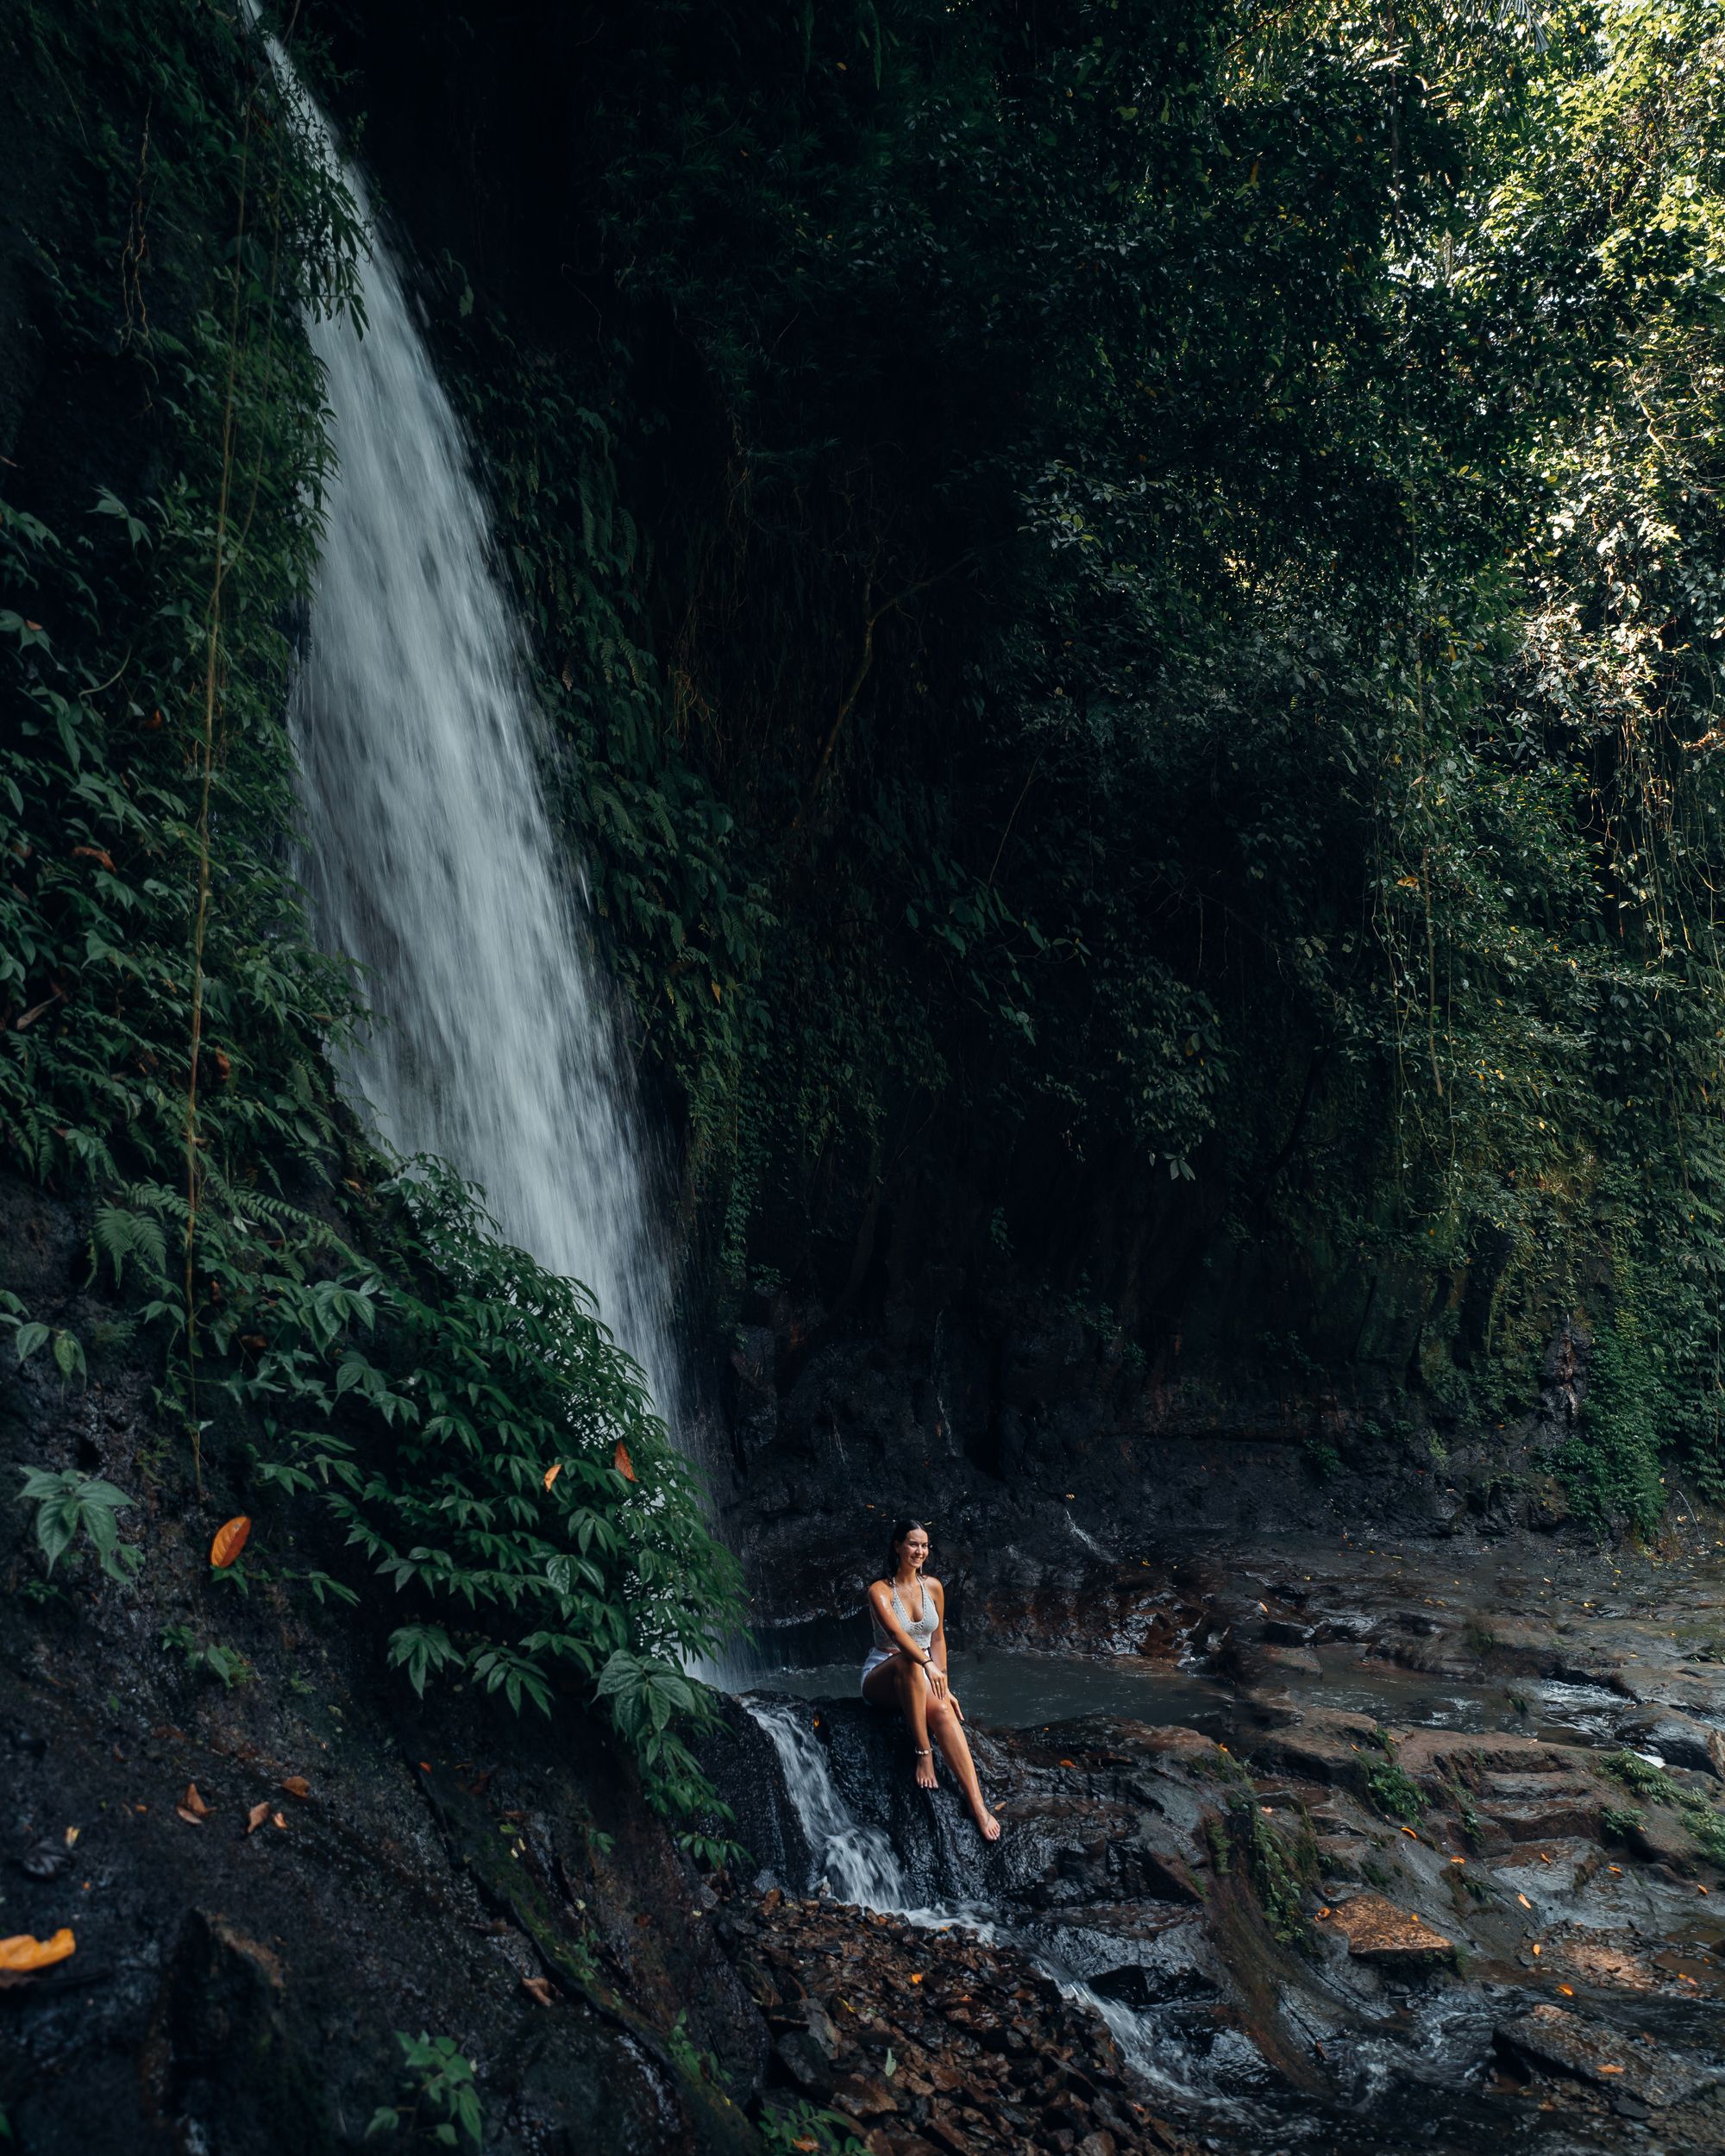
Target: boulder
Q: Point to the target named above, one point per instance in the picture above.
(1556, 2041)
(1377, 1930)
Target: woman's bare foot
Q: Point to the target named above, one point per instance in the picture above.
(987, 1825)
(924, 1771)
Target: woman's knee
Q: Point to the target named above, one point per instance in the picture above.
(939, 1715)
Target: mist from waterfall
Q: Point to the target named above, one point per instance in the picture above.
(433, 863)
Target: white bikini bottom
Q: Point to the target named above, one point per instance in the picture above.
(876, 1657)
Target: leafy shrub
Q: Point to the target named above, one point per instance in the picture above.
(445, 2102)
(72, 1506)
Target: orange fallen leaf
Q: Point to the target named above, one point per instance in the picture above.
(19, 1955)
(230, 1539)
(1408, 1831)
(296, 1785)
(917, 1978)
(1568, 1991)
(621, 1461)
(537, 1988)
(1536, 1949)
(279, 1821)
(1069, 1763)
(425, 1766)
(553, 1472)
(1608, 2069)
(1524, 1900)
(192, 1801)
(191, 1818)
(255, 1817)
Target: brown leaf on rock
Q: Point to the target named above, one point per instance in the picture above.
(279, 1821)
(191, 1818)
(538, 1988)
(621, 1461)
(192, 1801)
(21, 1954)
(296, 1785)
(230, 1539)
(255, 1817)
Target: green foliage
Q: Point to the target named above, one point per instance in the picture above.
(212, 1659)
(393, 1372)
(1642, 1776)
(798, 2127)
(1235, 745)
(72, 1508)
(445, 2104)
(1704, 1819)
(1392, 1790)
(1281, 1869)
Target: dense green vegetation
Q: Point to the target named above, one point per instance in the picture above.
(342, 1341)
(1133, 598)
(1136, 596)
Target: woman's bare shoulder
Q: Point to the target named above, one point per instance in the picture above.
(934, 1586)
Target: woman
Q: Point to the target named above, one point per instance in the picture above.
(906, 1667)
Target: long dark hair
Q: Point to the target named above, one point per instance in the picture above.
(901, 1529)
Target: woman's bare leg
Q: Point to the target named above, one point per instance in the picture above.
(948, 1732)
(900, 1682)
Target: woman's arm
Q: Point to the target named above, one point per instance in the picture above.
(937, 1675)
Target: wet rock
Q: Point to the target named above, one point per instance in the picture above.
(1324, 1746)
(1299, 1660)
(1554, 2041)
(1377, 1930)
(1660, 1836)
(1680, 1741)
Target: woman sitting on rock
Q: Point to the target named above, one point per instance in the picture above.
(906, 1667)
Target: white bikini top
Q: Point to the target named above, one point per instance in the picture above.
(921, 1630)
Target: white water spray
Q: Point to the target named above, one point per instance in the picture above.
(859, 1861)
(495, 1041)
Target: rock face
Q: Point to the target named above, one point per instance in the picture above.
(1549, 2036)
(1376, 1930)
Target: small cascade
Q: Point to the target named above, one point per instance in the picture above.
(858, 1862)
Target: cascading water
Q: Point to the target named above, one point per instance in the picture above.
(495, 1043)
(858, 1862)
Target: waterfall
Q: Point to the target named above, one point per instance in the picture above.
(494, 1042)
(858, 1862)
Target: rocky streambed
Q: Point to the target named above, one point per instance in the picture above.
(1445, 1863)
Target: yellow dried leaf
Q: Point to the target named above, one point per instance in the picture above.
(230, 1539)
(23, 1954)
(553, 1472)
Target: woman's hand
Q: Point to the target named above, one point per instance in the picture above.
(937, 1681)
(952, 1701)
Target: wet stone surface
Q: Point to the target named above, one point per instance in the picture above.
(1459, 1889)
